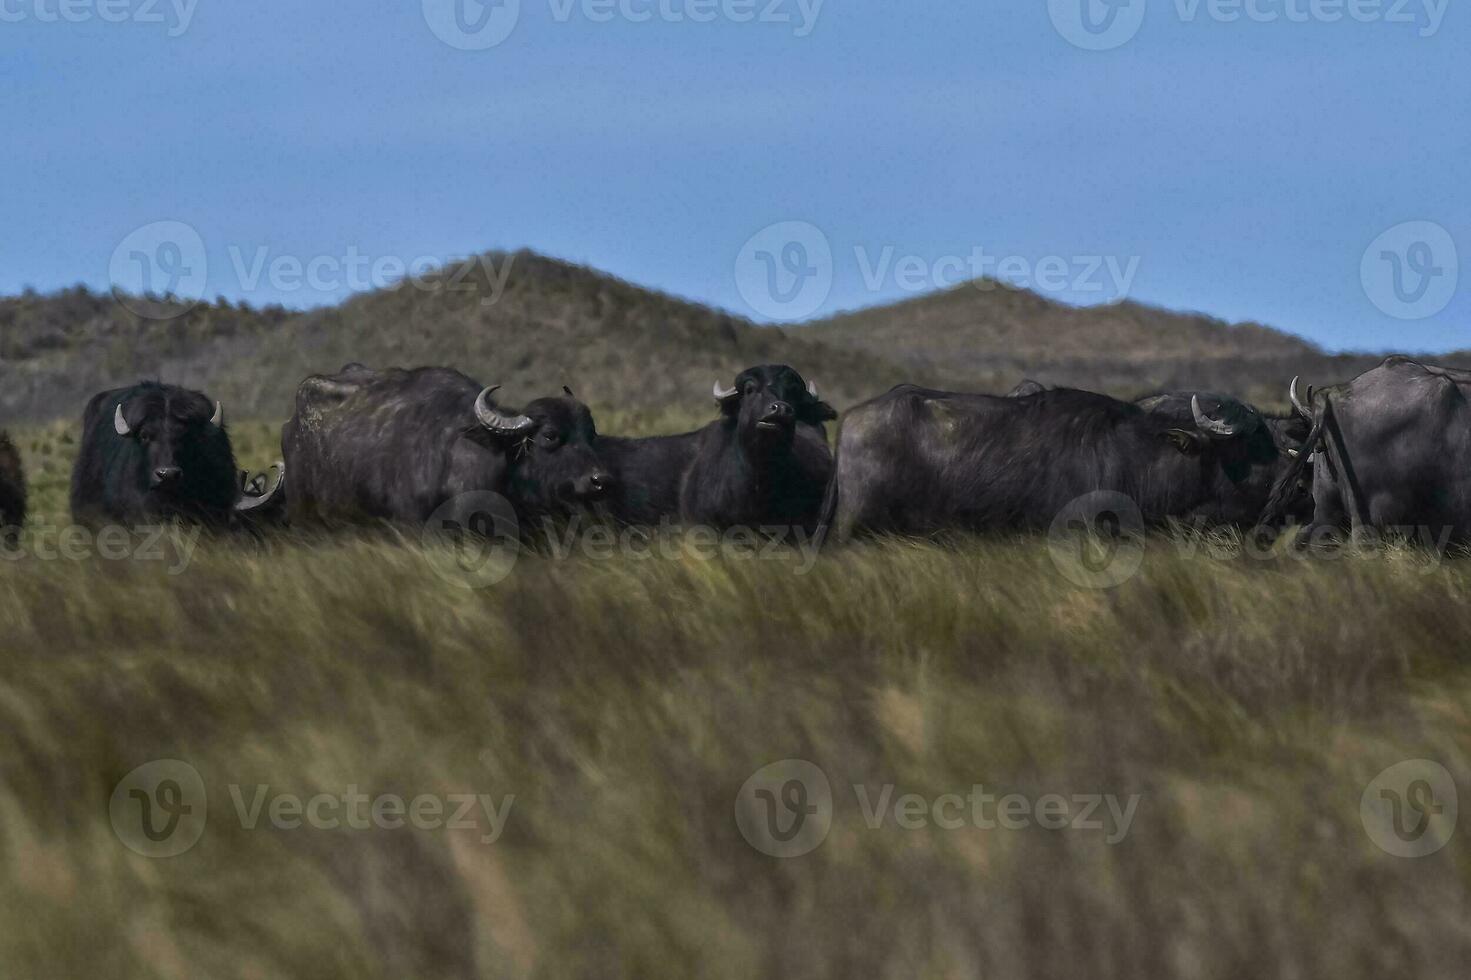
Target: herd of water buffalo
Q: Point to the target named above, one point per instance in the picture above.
(1391, 448)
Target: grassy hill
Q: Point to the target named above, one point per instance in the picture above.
(623, 346)
(616, 344)
(989, 330)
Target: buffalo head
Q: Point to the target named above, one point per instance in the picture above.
(180, 438)
(1240, 453)
(550, 445)
(768, 401)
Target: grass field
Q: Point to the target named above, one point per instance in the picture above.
(1243, 705)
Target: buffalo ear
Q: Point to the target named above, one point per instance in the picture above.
(1189, 443)
(823, 412)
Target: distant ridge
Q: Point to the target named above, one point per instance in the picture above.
(621, 345)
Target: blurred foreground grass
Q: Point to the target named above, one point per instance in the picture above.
(624, 704)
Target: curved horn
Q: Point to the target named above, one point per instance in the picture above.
(494, 419)
(278, 468)
(218, 418)
(1210, 426)
(721, 394)
(1302, 409)
(120, 424)
(812, 390)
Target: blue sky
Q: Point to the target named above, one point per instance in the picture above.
(1250, 168)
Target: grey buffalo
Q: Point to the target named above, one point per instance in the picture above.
(397, 445)
(1391, 449)
(919, 461)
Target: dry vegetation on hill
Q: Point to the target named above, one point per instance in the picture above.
(623, 346)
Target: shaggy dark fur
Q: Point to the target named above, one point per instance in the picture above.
(765, 462)
(395, 445)
(1395, 451)
(174, 462)
(12, 486)
(918, 461)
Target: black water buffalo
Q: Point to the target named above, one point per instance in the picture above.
(156, 452)
(765, 462)
(397, 445)
(1391, 450)
(646, 474)
(649, 472)
(919, 461)
(12, 486)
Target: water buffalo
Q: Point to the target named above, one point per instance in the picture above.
(12, 486)
(765, 462)
(1391, 450)
(156, 452)
(396, 445)
(646, 473)
(919, 461)
(649, 473)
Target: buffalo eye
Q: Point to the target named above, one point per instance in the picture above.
(551, 439)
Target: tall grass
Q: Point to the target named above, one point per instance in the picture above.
(625, 703)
